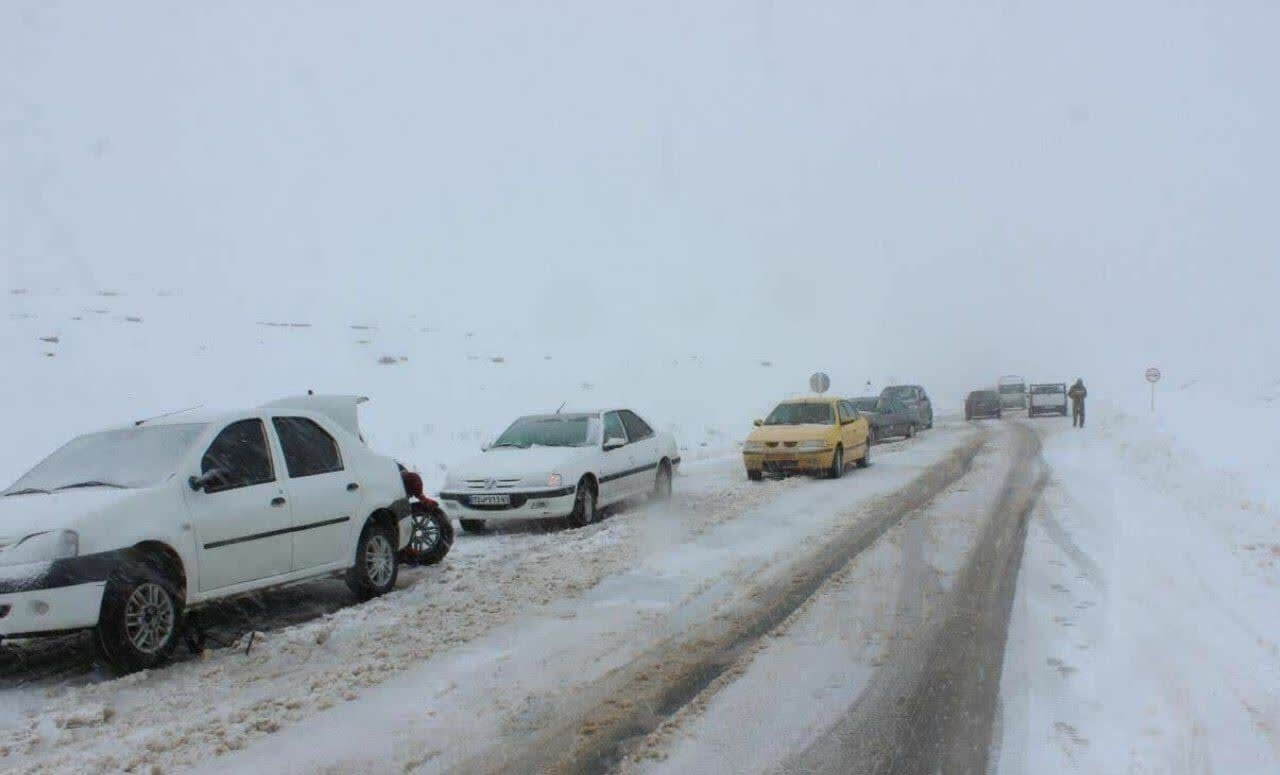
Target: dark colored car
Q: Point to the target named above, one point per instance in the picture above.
(982, 403)
(888, 417)
(913, 397)
(1048, 398)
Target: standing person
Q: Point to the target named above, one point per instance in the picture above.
(1077, 395)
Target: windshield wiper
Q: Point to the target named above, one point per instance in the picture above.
(28, 491)
(509, 444)
(91, 483)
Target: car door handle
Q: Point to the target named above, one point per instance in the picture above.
(277, 501)
(353, 487)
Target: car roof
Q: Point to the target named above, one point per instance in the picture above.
(811, 400)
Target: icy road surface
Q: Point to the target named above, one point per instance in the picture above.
(476, 653)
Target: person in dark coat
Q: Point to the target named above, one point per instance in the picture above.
(1077, 395)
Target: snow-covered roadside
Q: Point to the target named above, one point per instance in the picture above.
(498, 689)
(813, 668)
(1143, 636)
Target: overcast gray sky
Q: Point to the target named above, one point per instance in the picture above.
(980, 187)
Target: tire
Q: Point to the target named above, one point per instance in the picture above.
(431, 536)
(837, 464)
(911, 431)
(755, 476)
(968, 417)
(874, 436)
(662, 482)
(865, 460)
(140, 622)
(377, 563)
(584, 506)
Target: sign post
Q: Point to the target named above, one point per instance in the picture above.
(1153, 376)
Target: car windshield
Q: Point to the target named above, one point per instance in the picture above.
(868, 404)
(1042, 389)
(570, 430)
(800, 414)
(133, 457)
(1016, 388)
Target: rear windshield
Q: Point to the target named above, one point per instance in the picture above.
(800, 414)
(903, 392)
(1018, 388)
(1042, 389)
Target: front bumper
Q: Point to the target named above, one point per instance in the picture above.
(524, 504)
(788, 462)
(56, 609)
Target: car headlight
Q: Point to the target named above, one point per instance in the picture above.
(812, 445)
(555, 480)
(42, 547)
(753, 446)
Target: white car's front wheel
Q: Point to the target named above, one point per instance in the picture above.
(584, 505)
(662, 484)
(140, 619)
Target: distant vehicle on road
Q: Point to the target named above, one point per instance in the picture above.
(1013, 391)
(1048, 398)
(562, 465)
(814, 435)
(983, 404)
(913, 397)
(888, 417)
(126, 530)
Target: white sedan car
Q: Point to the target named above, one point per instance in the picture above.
(124, 530)
(562, 465)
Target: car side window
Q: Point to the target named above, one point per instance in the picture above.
(240, 453)
(636, 428)
(308, 449)
(846, 412)
(613, 427)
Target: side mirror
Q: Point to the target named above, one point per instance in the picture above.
(758, 423)
(485, 447)
(614, 443)
(203, 482)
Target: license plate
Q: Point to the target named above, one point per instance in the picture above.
(490, 500)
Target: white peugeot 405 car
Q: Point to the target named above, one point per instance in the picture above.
(562, 465)
(126, 529)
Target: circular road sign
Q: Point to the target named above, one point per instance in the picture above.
(819, 382)
(1153, 374)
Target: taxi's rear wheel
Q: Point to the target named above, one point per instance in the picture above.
(837, 464)
(865, 460)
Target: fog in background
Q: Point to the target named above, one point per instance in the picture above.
(948, 191)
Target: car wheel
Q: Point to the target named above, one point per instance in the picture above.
(584, 506)
(865, 460)
(837, 464)
(377, 562)
(755, 476)
(662, 483)
(967, 417)
(430, 537)
(874, 436)
(911, 431)
(140, 619)
(473, 525)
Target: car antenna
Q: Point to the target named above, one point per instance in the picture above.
(562, 403)
(166, 414)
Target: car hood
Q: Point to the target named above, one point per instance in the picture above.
(22, 515)
(512, 462)
(768, 433)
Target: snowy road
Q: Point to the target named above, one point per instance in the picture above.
(487, 647)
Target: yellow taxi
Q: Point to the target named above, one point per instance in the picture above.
(815, 435)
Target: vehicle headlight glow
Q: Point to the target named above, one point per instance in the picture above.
(753, 446)
(47, 546)
(555, 480)
(812, 445)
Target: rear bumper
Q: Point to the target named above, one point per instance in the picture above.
(1035, 410)
(57, 609)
